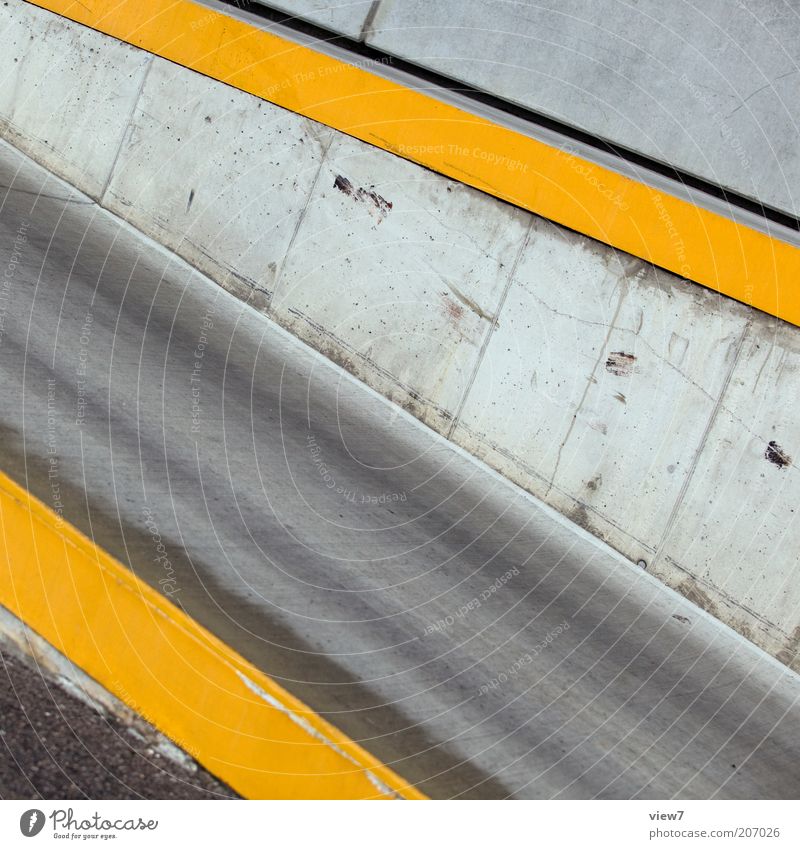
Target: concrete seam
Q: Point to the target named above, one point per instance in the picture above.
(124, 135)
(366, 27)
(279, 276)
(490, 332)
(611, 327)
(673, 516)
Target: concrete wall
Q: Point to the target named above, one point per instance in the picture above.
(67, 94)
(657, 414)
(711, 88)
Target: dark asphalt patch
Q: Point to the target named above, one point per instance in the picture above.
(53, 746)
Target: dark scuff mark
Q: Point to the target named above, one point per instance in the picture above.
(776, 455)
(680, 618)
(595, 483)
(790, 653)
(580, 515)
(454, 311)
(381, 204)
(191, 198)
(620, 363)
(343, 184)
(621, 398)
(378, 206)
(689, 589)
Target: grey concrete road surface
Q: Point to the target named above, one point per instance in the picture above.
(464, 634)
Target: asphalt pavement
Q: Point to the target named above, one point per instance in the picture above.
(55, 745)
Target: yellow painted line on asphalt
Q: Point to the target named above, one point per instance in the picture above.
(694, 243)
(239, 723)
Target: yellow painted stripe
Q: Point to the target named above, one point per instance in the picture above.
(238, 722)
(694, 243)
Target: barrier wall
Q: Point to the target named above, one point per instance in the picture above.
(658, 414)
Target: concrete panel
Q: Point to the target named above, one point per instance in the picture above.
(710, 88)
(217, 175)
(66, 103)
(397, 272)
(735, 541)
(345, 16)
(598, 384)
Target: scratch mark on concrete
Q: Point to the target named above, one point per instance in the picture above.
(468, 302)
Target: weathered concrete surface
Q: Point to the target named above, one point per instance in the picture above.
(733, 543)
(399, 273)
(598, 383)
(463, 632)
(218, 176)
(711, 88)
(378, 263)
(592, 380)
(67, 93)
